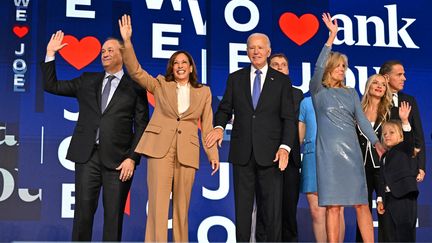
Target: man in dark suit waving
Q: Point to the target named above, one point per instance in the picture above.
(113, 113)
(394, 72)
(260, 98)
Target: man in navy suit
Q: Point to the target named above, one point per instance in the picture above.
(291, 175)
(113, 113)
(260, 98)
(394, 72)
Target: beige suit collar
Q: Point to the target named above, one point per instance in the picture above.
(195, 96)
(194, 101)
(172, 96)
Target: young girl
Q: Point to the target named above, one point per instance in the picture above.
(397, 193)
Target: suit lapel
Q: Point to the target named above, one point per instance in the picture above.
(117, 93)
(377, 125)
(171, 95)
(394, 112)
(403, 97)
(400, 97)
(247, 85)
(388, 157)
(266, 89)
(98, 90)
(195, 95)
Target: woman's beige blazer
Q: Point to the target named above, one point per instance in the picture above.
(166, 123)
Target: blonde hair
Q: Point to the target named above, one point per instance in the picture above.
(383, 112)
(393, 123)
(332, 62)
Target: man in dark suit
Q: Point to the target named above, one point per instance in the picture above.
(394, 72)
(263, 133)
(291, 176)
(113, 113)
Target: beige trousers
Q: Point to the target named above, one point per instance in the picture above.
(164, 176)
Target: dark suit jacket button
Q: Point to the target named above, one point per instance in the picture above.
(179, 132)
(253, 116)
(178, 119)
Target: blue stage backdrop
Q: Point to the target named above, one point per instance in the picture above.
(36, 182)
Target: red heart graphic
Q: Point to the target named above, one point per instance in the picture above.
(20, 31)
(299, 30)
(80, 53)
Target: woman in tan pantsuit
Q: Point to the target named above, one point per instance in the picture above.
(170, 140)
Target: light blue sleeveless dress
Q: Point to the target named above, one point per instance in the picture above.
(308, 182)
(340, 172)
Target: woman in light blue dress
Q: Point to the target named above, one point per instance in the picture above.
(308, 183)
(340, 173)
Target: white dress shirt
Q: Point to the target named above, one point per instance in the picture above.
(114, 83)
(395, 99)
(253, 75)
(183, 97)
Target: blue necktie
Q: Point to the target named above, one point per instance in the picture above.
(256, 91)
(105, 93)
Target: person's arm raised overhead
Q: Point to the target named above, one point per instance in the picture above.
(130, 60)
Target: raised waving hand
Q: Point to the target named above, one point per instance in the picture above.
(125, 25)
(404, 110)
(332, 26)
(55, 43)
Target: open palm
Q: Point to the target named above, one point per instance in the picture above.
(125, 25)
(331, 25)
(55, 43)
(404, 111)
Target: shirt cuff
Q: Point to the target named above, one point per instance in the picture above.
(220, 127)
(286, 147)
(406, 127)
(379, 199)
(49, 59)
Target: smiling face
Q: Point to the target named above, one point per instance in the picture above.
(111, 57)
(334, 72)
(391, 134)
(396, 78)
(181, 68)
(338, 73)
(377, 87)
(258, 50)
